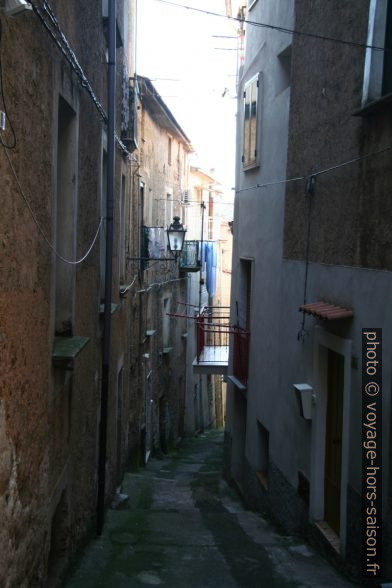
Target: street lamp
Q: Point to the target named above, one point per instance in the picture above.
(176, 236)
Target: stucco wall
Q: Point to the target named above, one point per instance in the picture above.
(311, 122)
(350, 210)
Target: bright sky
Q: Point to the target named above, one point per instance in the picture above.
(179, 44)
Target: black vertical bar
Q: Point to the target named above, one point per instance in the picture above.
(108, 268)
(201, 252)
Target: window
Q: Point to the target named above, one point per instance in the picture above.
(169, 210)
(283, 72)
(67, 154)
(244, 311)
(120, 393)
(169, 150)
(263, 455)
(250, 153)
(122, 244)
(104, 198)
(377, 79)
(165, 322)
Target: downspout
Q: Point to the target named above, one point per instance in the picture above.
(108, 267)
(203, 206)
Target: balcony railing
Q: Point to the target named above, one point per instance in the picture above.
(240, 354)
(190, 256)
(213, 331)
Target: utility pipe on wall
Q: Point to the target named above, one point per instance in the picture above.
(108, 267)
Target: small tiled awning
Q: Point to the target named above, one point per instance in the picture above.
(327, 311)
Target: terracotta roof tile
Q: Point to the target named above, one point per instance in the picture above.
(327, 311)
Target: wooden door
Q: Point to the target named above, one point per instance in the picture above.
(333, 441)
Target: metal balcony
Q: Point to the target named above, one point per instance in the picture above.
(190, 256)
(213, 332)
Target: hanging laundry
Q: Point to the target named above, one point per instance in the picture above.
(210, 258)
(157, 242)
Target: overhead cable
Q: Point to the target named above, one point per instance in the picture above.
(160, 284)
(320, 172)
(277, 28)
(127, 288)
(63, 45)
(40, 229)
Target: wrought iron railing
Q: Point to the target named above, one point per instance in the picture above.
(213, 329)
(190, 256)
(240, 354)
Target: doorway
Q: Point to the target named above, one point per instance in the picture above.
(333, 440)
(148, 418)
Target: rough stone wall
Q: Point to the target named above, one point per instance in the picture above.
(160, 281)
(350, 209)
(49, 418)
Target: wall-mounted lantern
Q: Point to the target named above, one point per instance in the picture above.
(176, 236)
(305, 398)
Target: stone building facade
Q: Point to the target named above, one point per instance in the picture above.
(308, 104)
(54, 193)
(162, 175)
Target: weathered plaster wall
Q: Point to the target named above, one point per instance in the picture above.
(49, 418)
(164, 360)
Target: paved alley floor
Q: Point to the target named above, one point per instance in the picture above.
(185, 527)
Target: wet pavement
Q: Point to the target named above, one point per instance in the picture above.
(184, 527)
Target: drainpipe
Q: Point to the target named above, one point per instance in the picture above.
(108, 268)
(203, 206)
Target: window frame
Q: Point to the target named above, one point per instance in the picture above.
(255, 161)
(169, 149)
(374, 68)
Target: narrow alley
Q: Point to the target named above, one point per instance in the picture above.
(183, 526)
(195, 264)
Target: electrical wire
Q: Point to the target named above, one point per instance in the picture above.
(63, 45)
(309, 194)
(40, 229)
(160, 284)
(122, 292)
(278, 28)
(320, 172)
(191, 201)
(273, 183)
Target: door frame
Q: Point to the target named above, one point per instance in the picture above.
(322, 342)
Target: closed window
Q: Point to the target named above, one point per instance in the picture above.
(250, 154)
(169, 150)
(66, 216)
(377, 80)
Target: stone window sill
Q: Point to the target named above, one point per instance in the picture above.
(166, 350)
(66, 350)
